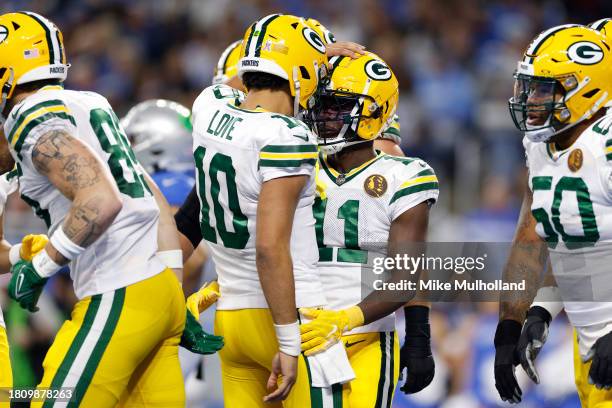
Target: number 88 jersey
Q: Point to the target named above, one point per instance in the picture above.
(125, 253)
(572, 205)
(354, 213)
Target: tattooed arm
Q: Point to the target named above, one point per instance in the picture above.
(527, 260)
(80, 176)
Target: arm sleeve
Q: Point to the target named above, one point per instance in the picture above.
(188, 218)
(418, 184)
(291, 152)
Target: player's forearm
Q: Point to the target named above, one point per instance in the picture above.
(526, 262)
(5, 264)
(80, 176)
(275, 269)
(89, 217)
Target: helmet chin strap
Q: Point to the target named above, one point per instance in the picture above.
(296, 98)
(6, 89)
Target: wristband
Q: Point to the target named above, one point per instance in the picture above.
(418, 332)
(15, 254)
(64, 245)
(549, 298)
(44, 265)
(288, 336)
(173, 259)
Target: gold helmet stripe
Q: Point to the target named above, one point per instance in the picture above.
(53, 42)
(541, 39)
(253, 48)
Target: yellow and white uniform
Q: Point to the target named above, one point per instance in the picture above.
(572, 202)
(354, 213)
(125, 329)
(236, 151)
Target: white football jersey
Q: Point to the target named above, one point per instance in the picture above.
(572, 203)
(125, 253)
(236, 151)
(354, 212)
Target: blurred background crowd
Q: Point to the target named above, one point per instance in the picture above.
(454, 60)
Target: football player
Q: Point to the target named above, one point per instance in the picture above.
(226, 72)
(367, 203)
(77, 172)
(255, 181)
(562, 87)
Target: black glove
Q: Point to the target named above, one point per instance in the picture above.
(506, 338)
(415, 354)
(533, 337)
(600, 373)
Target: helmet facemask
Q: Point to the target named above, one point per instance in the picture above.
(6, 79)
(335, 118)
(538, 107)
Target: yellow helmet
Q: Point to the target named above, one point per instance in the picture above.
(562, 80)
(327, 36)
(355, 103)
(227, 66)
(603, 25)
(285, 46)
(31, 49)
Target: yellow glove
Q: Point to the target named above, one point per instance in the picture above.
(203, 298)
(31, 245)
(327, 327)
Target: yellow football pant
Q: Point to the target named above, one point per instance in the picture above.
(246, 361)
(590, 397)
(6, 374)
(375, 360)
(121, 348)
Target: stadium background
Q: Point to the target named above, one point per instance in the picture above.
(454, 60)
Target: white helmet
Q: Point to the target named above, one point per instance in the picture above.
(160, 132)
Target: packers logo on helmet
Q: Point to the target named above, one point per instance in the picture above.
(355, 103)
(327, 36)
(313, 39)
(3, 33)
(378, 70)
(562, 80)
(585, 53)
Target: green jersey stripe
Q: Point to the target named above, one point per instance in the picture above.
(35, 122)
(413, 189)
(99, 348)
(426, 172)
(26, 113)
(289, 149)
(75, 347)
(286, 163)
